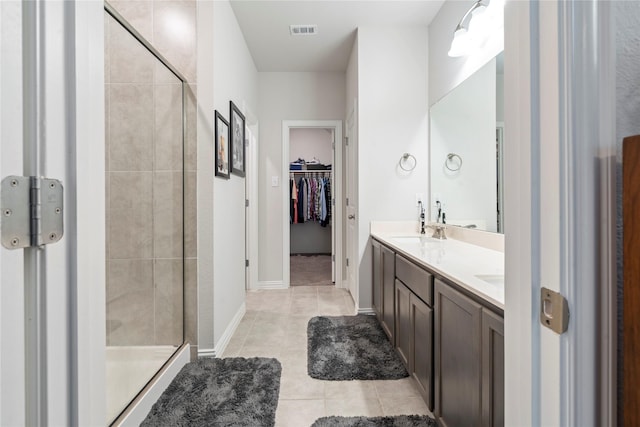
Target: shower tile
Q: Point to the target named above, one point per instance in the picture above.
(191, 301)
(168, 301)
(107, 130)
(130, 61)
(130, 302)
(174, 34)
(131, 126)
(163, 75)
(131, 216)
(168, 128)
(107, 43)
(139, 14)
(127, 277)
(167, 214)
(191, 148)
(191, 215)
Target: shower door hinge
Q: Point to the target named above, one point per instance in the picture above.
(32, 211)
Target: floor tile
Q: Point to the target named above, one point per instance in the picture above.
(354, 406)
(299, 413)
(397, 388)
(404, 405)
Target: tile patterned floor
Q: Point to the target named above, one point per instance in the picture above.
(275, 325)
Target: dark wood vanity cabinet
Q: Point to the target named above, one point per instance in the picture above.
(451, 342)
(414, 324)
(384, 274)
(492, 369)
(469, 360)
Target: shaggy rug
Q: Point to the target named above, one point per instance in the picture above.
(397, 421)
(351, 348)
(220, 392)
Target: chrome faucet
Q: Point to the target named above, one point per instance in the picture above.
(438, 227)
(422, 230)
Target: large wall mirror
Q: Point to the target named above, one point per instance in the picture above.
(466, 151)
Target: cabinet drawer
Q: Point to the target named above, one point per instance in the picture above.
(415, 278)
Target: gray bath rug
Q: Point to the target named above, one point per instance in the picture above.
(351, 348)
(220, 392)
(397, 421)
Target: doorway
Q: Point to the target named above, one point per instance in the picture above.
(312, 209)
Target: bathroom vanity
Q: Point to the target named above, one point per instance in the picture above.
(441, 303)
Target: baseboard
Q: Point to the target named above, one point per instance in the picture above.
(223, 342)
(206, 352)
(366, 311)
(140, 407)
(273, 284)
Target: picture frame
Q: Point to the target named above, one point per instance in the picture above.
(222, 148)
(236, 138)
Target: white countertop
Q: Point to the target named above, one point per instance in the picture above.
(458, 261)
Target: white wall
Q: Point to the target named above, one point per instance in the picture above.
(227, 72)
(393, 119)
(235, 78)
(445, 72)
(286, 96)
(463, 122)
(309, 143)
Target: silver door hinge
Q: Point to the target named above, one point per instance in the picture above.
(246, 263)
(246, 203)
(32, 211)
(347, 201)
(347, 262)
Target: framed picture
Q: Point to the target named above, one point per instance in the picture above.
(222, 148)
(236, 137)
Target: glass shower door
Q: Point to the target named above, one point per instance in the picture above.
(144, 168)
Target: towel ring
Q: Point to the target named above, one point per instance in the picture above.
(403, 162)
(450, 160)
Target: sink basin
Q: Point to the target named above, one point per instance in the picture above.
(407, 239)
(492, 279)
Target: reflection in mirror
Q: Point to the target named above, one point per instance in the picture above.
(466, 151)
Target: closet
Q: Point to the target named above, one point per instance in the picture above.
(310, 205)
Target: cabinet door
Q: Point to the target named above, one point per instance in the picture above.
(422, 348)
(457, 345)
(404, 327)
(388, 291)
(377, 279)
(492, 370)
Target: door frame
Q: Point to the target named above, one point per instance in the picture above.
(251, 193)
(61, 48)
(337, 219)
(565, 147)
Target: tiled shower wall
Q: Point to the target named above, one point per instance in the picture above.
(170, 26)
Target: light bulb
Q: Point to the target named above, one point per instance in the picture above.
(461, 44)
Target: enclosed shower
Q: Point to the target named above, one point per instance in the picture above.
(145, 212)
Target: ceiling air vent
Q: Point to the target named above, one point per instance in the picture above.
(303, 30)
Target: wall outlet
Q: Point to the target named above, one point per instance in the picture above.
(275, 181)
(419, 198)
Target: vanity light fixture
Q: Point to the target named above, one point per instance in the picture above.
(476, 26)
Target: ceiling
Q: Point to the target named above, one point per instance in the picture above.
(265, 25)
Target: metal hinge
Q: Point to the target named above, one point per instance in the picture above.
(246, 203)
(32, 211)
(333, 202)
(347, 262)
(333, 145)
(246, 263)
(346, 140)
(347, 201)
(333, 258)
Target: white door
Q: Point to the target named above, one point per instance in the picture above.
(52, 326)
(351, 261)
